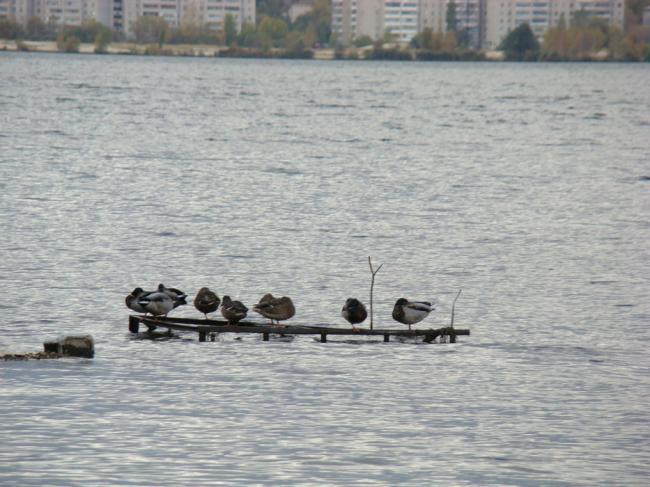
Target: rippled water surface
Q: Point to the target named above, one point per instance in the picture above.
(528, 186)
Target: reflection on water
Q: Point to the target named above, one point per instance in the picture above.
(524, 185)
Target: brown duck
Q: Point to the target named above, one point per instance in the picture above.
(278, 309)
(233, 311)
(354, 312)
(206, 301)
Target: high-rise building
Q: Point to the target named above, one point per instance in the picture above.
(477, 23)
(175, 12)
(401, 19)
(502, 16)
(121, 14)
(374, 18)
(62, 12)
(352, 19)
(465, 17)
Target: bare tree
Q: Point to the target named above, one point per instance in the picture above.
(372, 285)
(453, 307)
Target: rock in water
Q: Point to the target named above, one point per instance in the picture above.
(75, 346)
(78, 346)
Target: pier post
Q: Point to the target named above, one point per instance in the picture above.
(202, 334)
(265, 336)
(134, 324)
(386, 337)
(323, 337)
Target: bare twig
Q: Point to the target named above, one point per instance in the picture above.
(372, 285)
(453, 307)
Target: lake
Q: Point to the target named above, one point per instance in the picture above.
(525, 185)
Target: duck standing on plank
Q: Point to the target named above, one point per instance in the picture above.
(411, 312)
(278, 309)
(132, 299)
(354, 312)
(233, 311)
(177, 296)
(157, 303)
(206, 301)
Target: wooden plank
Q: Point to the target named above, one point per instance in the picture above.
(185, 321)
(295, 329)
(207, 326)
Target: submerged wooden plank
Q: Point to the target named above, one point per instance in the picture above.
(204, 327)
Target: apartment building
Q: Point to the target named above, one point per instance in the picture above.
(122, 14)
(401, 19)
(502, 16)
(175, 12)
(405, 18)
(7, 9)
(62, 12)
(57, 11)
(478, 23)
(356, 18)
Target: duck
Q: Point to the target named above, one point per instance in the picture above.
(275, 308)
(131, 300)
(411, 312)
(172, 292)
(177, 296)
(206, 301)
(354, 312)
(233, 311)
(157, 303)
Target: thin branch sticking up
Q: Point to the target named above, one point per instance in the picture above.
(453, 307)
(372, 285)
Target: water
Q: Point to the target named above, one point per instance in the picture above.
(525, 185)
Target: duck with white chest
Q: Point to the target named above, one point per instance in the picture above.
(157, 303)
(411, 312)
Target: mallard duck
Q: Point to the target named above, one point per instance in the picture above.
(354, 312)
(177, 296)
(275, 308)
(131, 300)
(157, 303)
(171, 292)
(233, 311)
(411, 312)
(206, 301)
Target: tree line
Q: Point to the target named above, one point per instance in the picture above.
(583, 38)
(308, 31)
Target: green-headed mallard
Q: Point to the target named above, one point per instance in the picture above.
(411, 312)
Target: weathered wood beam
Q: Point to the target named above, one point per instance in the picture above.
(134, 324)
(207, 326)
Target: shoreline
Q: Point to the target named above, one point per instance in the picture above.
(323, 54)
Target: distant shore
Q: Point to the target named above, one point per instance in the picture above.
(207, 50)
(126, 48)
